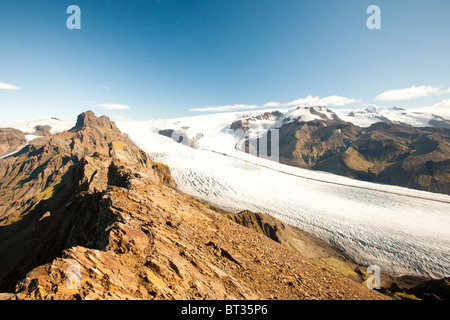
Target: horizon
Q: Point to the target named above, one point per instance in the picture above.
(245, 112)
(172, 59)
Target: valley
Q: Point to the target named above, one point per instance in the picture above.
(402, 230)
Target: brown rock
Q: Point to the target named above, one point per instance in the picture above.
(11, 140)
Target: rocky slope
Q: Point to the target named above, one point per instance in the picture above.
(404, 287)
(87, 215)
(386, 152)
(10, 140)
(300, 241)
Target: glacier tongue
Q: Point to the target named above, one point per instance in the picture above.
(403, 231)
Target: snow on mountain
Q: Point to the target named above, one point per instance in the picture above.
(403, 231)
(209, 130)
(442, 109)
(29, 126)
(370, 114)
(204, 129)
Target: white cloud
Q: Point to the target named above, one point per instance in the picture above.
(7, 86)
(338, 101)
(113, 106)
(304, 101)
(120, 118)
(448, 90)
(326, 101)
(441, 108)
(272, 104)
(308, 101)
(105, 88)
(408, 93)
(227, 107)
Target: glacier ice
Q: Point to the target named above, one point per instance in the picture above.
(403, 231)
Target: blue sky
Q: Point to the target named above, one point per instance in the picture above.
(166, 59)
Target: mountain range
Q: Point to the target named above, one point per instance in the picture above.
(385, 152)
(87, 198)
(85, 214)
(391, 146)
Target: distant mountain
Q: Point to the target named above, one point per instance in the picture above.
(386, 151)
(14, 135)
(11, 140)
(256, 122)
(52, 125)
(363, 117)
(393, 146)
(370, 114)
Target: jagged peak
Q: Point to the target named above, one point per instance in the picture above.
(89, 119)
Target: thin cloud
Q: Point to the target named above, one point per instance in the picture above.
(113, 106)
(308, 101)
(408, 93)
(441, 107)
(105, 88)
(272, 104)
(227, 107)
(120, 118)
(7, 86)
(326, 101)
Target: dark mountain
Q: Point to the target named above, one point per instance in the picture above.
(385, 152)
(11, 140)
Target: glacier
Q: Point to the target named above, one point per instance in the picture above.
(403, 231)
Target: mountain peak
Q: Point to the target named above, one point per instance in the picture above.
(89, 119)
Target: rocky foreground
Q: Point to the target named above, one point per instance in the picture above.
(85, 214)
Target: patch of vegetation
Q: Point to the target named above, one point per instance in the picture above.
(423, 145)
(381, 150)
(336, 265)
(406, 296)
(163, 172)
(43, 195)
(98, 156)
(117, 144)
(244, 220)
